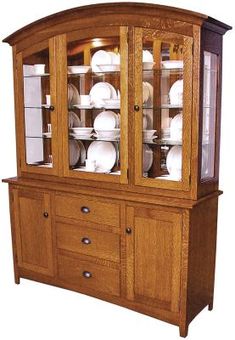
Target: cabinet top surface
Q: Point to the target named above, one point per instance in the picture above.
(101, 10)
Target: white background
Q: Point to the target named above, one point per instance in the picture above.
(36, 311)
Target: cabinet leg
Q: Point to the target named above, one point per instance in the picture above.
(210, 306)
(17, 279)
(183, 330)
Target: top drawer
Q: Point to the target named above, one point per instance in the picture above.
(88, 209)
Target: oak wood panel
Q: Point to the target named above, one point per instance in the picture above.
(33, 231)
(102, 244)
(99, 211)
(103, 279)
(155, 248)
(161, 314)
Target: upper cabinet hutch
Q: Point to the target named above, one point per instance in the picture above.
(118, 131)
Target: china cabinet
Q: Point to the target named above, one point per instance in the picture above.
(117, 129)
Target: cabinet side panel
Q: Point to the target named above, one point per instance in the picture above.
(202, 249)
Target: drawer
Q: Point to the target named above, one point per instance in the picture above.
(88, 209)
(83, 240)
(89, 275)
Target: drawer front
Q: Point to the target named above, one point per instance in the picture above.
(88, 209)
(83, 240)
(88, 275)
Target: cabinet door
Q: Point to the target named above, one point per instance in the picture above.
(153, 257)
(36, 109)
(33, 231)
(163, 106)
(95, 104)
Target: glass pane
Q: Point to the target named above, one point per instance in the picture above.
(38, 128)
(209, 114)
(94, 105)
(162, 109)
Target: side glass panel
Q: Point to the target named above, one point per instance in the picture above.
(210, 76)
(37, 115)
(163, 111)
(94, 105)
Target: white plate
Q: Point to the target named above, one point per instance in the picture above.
(149, 102)
(99, 92)
(168, 64)
(146, 93)
(74, 120)
(109, 67)
(74, 152)
(176, 93)
(108, 134)
(176, 127)
(82, 152)
(84, 107)
(106, 120)
(82, 131)
(147, 158)
(147, 56)
(103, 153)
(174, 162)
(75, 97)
(99, 58)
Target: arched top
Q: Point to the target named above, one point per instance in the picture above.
(102, 10)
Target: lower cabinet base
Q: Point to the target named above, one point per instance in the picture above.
(163, 315)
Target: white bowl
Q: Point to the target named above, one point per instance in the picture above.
(148, 65)
(109, 67)
(113, 133)
(78, 69)
(82, 131)
(168, 64)
(148, 134)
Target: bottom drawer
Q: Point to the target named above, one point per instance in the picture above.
(89, 275)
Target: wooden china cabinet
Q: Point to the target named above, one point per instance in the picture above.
(117, 130)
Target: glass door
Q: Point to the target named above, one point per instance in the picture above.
(40, 153)
(97, 104)
(163, 90)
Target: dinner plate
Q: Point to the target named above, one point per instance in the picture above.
(99, 92)
(74, 152)
(82, 151)
(146, 93)
(149, 102)
(174, 162)
(99, 58)
(147, 56)
(147, 158)
(104, 154)
(75, 95)
(74, 120)
(176, 93)
(106, 120)
(176, 127)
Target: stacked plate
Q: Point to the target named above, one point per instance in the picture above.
(176, 127)
(103, 94)
(104, 154)
(74, 120)
(174, 162)
(176, 93)
(147, 60)
(103, 61)
(73, 95)
(77, 152)
(106, 125)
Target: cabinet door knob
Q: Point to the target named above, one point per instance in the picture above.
(86, 240)
(51, 108)
(45, 214)
(128, 230)
(87, 274)
(136, 108)
(85, 210)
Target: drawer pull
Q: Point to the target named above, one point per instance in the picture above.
(86, 240)
(87, 275)
(85, 210)
(136, 108)
(45, 214)
(128, 230)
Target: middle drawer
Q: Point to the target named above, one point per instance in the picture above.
(83, 240)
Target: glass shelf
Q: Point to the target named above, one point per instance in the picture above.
(104, 107)
(165, 72)
(85, 138)
(162, 107)
(47, 107)
(39, 137)
(37, 75)
(93, 74)
(162, 142)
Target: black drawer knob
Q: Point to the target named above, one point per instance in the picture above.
(87, 274)
(86, 240)
(51, 108)
(128, 230)
(45, 214)
(136, 108)
(85, 210)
